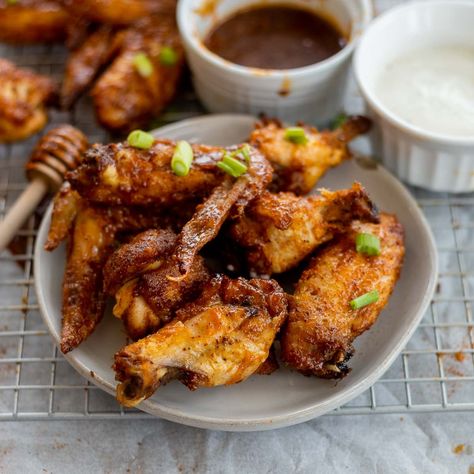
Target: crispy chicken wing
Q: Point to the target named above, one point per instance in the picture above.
(220, 339)
(278, 231)
(124, 98)
(23, 95)
(93, 232)
(317, 339)
(299, 167)
(118, 12)
(32, 21)
(136, 274)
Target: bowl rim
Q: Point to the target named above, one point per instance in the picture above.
(191, 40)
(363, 48)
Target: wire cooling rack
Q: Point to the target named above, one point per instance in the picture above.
(435, 372)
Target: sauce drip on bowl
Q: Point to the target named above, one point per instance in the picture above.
(275, 37)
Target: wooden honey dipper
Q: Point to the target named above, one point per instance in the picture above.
(57, 152)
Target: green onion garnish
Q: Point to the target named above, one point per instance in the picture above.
(368, 244)
(140, 139)
(364, 300)
(244, 151)
(296, 135)
(339, 121)
(182, 158)
(232, 166)
(143, 65)
(168, 56)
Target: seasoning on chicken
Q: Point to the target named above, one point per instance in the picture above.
(33, 21)
(117, 12)
(124, 175)
(23, 96)
(220, 339)
(299, 166)
(278, 231)
(136, 274)
(322, 325)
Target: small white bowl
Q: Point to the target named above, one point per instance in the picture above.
(312, 93)
(422, 158)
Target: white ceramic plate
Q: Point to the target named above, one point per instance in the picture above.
(283, 398)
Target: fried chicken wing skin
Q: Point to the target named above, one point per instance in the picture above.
(32, 21)
(23, 95)
(84, 63)
(117, 12)
(299, 167)
(212, 213)
(321, 328)
(278, 231)
(65, 207)
(123, 98)
(220, 339)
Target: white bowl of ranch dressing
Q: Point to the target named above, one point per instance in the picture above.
(415, 68)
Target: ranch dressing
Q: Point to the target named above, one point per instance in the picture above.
(432, 88)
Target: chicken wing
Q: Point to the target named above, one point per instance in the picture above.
(299, 167)
(32, 21)
(23, 96)
(117, 12)
(278, 231)
(124, 98)
(136, 274)
(322, 326)
(220, 339)
(93, 232)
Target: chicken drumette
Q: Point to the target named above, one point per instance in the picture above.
(23, 96)
(220, 339)
(321, 327)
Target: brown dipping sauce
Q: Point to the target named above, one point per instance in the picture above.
(275, 37)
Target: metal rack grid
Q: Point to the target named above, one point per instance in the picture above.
(435, 372)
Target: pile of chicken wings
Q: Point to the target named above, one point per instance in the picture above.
(126, 53)
(196, 263)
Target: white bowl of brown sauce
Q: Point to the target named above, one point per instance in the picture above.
(288, 60)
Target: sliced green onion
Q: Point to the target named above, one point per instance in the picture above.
(339, 121)
(296, 135)
(232, 166)
(143, 65)
(182, 158)
(368, 244)
(168, 56)
(364, 300)
(140, 139)
(244, 151)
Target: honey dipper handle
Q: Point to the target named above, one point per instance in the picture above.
(21, 210)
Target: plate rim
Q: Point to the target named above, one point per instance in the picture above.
(275, 421)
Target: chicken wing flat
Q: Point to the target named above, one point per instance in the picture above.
(136, 274)
(278, 231)
(84, 63)
(212, 213)
(117, 12)
(321, 327)
(23, 95)
(298, 167)
(220, 339)
(32, 21)
(124, 98)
